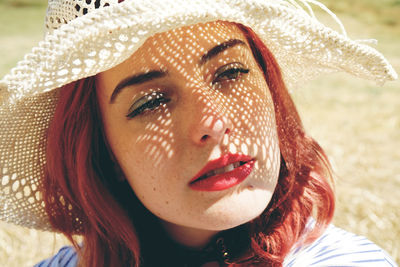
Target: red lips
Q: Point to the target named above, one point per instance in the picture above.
(223, 173)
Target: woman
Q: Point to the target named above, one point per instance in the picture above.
(177, 144)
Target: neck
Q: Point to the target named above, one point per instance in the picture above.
(195, 247)
(189, 237)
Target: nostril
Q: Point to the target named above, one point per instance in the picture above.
(204, 138)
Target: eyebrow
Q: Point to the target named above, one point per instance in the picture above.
(136, 79)
(220, 48)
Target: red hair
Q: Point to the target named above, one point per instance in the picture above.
(82, 195)
(304, 186)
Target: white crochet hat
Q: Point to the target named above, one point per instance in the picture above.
(85, 37)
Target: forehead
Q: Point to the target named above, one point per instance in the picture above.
(191, 41)
(179, 49)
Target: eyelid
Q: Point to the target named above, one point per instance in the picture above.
(225, 67)
(232, 65)
(139, 106)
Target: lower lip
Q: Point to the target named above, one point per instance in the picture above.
(224, 181)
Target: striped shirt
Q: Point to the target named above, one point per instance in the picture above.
(334, 248)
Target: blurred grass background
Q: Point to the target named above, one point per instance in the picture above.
(355, 121)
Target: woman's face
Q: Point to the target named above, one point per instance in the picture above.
(189, 101)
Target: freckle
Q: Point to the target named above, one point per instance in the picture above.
(154, 189)
(166, 202)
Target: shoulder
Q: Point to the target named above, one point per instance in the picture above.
(65, 257)
(337, 247)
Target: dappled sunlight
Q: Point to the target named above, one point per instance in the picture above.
(187, 97)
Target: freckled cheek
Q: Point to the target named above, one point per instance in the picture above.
(148, 146)
(252, 106)
(158, 139)
(151, 184)
(255, 126)
(264, 118)
(140, 173)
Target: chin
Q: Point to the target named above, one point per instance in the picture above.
(229, 213)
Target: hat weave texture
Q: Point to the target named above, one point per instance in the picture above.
(86, 37)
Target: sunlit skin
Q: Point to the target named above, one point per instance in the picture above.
(203, 112)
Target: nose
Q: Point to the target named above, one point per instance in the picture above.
(211, 128)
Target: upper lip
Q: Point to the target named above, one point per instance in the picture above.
(221, 162)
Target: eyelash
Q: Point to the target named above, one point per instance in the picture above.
(152, 101)
(228, 70)
(147, 103)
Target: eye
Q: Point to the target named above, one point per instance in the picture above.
(147, 103)
(229, 71)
